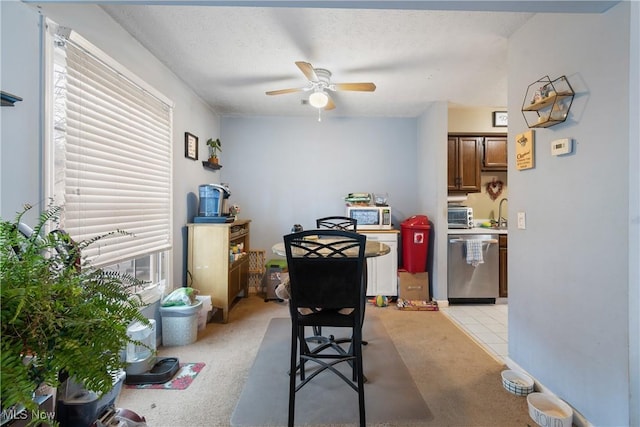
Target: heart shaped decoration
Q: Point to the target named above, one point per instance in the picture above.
(494, 189)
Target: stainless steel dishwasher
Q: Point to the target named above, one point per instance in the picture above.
(467, 283)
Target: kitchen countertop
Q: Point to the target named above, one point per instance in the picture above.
(476, 230)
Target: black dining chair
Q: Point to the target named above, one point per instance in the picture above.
(326, 290)
(337, 223)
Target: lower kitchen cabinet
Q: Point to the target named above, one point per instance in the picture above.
(213, 269)
(382, 271)
(502, 275)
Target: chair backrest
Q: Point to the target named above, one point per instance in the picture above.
(325, 269)
(337, 223)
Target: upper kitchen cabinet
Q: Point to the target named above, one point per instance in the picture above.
(494, 156)
(464, 164)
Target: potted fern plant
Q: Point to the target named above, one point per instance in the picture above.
(59, 314)
(214, 146)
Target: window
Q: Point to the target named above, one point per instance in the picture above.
(110, 157)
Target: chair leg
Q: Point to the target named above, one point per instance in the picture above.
(303, 349)
(292, 374)
(360, 376)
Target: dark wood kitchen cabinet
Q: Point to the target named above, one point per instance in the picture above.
(494, 153)
(464, 164)
(502, 269)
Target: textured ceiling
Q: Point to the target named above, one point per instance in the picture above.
(231, 55)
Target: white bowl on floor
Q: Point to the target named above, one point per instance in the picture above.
(517, 382)
(549, 411)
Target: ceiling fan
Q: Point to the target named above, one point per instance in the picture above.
(320, 84)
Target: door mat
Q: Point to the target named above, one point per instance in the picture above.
(183, 378)
(417, 305)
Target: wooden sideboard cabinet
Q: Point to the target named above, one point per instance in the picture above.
(214, 271)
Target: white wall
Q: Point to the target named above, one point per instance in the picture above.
(432, 187)
(21, 144)
(292, 170)
(568, 271)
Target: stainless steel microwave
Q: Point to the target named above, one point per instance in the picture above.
(460, 217)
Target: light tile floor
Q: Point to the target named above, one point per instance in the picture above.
(485, 323)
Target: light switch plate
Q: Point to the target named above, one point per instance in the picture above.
(522, 224)
(561, 146)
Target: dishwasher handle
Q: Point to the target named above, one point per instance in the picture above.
(489, 241)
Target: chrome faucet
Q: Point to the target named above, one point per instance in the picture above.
(502, 222)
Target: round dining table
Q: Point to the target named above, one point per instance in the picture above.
(372, 249)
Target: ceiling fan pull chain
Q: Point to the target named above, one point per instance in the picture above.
(319, 114)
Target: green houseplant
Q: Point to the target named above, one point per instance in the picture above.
(214, 146)
(60, 315)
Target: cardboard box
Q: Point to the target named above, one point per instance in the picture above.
(413, 286)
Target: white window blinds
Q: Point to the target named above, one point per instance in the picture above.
(112, 155)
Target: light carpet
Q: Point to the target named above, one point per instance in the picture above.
(459, 381)
(390, 393)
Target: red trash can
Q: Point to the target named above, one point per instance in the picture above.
(415, 243)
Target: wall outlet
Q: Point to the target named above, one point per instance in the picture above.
(561, 146)
(522, 223)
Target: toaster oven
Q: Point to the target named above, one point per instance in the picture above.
(460, 217)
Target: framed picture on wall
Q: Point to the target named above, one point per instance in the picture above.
(500, 119)
(190, 146)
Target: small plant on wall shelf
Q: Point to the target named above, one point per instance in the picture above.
(214, 146)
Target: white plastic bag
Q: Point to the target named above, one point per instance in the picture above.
(180, 296)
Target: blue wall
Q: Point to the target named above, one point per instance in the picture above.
(569, 270)
(284, 171)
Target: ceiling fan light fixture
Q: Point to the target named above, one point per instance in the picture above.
(319, 99)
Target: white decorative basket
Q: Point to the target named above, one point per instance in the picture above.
(517, 383)
(549, 411)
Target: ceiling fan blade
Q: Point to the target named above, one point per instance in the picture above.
(330, 104)
(307, 70)
(283, 91)
(363, 87)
